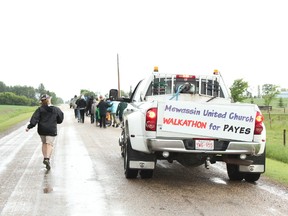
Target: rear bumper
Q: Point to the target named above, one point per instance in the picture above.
(233, 147)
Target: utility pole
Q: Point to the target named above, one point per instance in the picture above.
(119, 93)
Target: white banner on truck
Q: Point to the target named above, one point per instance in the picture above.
(227, 121)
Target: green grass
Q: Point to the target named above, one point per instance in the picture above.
(277, 171)
(277, 152)
(11, 115)
(276, 124)
(276, 121)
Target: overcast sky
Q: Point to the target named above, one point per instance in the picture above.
(73, 45)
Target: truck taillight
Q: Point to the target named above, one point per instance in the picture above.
(258, 123)
(151, 119)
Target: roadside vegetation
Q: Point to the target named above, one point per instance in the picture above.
(11, 115)
(277, 171)
(277, 146)
(276, 123)
(24, 95)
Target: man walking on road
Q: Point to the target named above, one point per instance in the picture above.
(103, 106)
(81, 106)
(46, 117)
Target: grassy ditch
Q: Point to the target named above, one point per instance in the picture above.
(276, 122)
(277, 143)
(11, 115)
(277, 171)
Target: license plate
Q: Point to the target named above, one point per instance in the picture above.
(204, 144)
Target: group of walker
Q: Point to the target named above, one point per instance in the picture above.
(103, 112)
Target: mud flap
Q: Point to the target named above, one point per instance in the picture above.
(140, 160)
(258, 165)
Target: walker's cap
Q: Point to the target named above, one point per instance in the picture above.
(44, 97)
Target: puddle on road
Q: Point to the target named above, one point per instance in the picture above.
(218, 181)
(274, 190)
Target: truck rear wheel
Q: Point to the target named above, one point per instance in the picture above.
(121, 142)
(129, 173)
(233, 172)
(145, 174)
(252, 177)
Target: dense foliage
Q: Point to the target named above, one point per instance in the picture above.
(9, 98)
(269, 93)
(239, 92)
(24, 95)
(238, 89)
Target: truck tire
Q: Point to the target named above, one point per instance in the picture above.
(252, 177)
(121, 142)
(129, 173)
(122, 151)
(233, 172)
(145, 174)
(258, 160)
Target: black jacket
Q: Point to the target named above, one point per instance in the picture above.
(47, 118)
(81, 103)
(103, 106)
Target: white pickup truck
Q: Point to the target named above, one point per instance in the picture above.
(191, 119)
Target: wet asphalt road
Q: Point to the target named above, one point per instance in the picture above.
(87, 178)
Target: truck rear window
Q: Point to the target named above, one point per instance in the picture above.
(172, 84)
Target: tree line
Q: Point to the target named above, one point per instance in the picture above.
(29, 96)
(24, 95)
(239, 92)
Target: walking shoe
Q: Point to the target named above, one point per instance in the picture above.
(47, 163)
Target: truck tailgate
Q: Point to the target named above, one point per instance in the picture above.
(185, 119)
